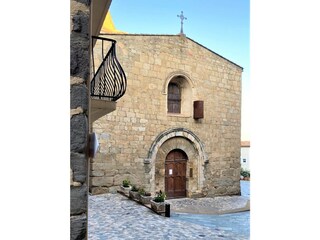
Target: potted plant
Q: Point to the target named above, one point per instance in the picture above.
(133, 193)
(245, 174)
(158, 202)
(145, 197)
(125, 187)
(247, 177)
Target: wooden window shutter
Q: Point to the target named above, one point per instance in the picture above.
(174, 98)
(198, 109)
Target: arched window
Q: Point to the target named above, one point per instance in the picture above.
(178, 91)
(174, 98)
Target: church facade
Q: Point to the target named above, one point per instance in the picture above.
(178, 127)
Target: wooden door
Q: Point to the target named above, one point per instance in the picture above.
(175, 174)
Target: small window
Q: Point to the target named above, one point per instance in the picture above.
(244, 160)
(174, 98)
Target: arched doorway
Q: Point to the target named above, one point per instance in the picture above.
(190, 144)
(175, 174)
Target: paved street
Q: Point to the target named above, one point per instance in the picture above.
(237, 223)
(114, 216)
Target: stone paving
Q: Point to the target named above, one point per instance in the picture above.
(114, 216)
(237, 223)
(217, 205)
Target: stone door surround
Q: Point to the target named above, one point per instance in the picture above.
(176, 138)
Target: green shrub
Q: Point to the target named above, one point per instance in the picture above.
(134, 188)
(160, 196)
(125, 183)
(244, 173)
(141, 191)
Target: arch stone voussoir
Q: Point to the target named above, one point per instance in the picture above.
(171, 133)
(174, 74)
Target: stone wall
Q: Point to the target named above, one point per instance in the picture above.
(127, 134)
(79, 73)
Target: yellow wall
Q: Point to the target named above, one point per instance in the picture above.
(108, 25)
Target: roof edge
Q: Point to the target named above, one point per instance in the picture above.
(176, 35)
(245, 143)
(215, 53)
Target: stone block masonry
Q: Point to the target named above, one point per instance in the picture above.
(150, 63)
(79, 73)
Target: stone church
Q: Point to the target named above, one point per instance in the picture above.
(178, 127)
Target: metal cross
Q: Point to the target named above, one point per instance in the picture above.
(182, 18)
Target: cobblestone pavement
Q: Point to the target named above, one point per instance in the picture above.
(237, 223)
(217, 205)
(113, 216)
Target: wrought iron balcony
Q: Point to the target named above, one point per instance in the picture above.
(109, 81)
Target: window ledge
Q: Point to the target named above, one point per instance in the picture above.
(178, 115)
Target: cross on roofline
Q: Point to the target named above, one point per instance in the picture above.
(182, 18)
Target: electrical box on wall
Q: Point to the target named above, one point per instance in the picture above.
(198, 109)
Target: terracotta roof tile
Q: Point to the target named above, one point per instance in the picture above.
(245, 143)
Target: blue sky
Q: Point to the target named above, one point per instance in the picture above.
(221, 25)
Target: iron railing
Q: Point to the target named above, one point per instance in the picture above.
(109, 81)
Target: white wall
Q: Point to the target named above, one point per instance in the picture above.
(245, 157)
